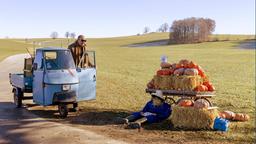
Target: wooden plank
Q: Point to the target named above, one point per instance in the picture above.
(183, 93)
(210, 108)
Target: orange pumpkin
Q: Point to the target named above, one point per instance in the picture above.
(179, 66)
(192, 65)
(164, 65)
(185, 103)
(228, 115)
(179, 71)
(184, 62)
(201, 103)
(201, 88)
(164, 72)
(201, 72)
(191, 72)
(151, 85)
(241, 117)
(222, 115)
(209, 86)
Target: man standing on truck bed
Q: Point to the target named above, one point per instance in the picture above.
(78, 51)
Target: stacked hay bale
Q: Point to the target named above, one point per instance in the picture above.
(185, 75)
(162, 82)
(186, 115)
(193, 118)
(186, 83)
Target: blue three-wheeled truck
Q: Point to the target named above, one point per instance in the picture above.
(53, 79)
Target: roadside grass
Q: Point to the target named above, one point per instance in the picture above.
(10, 47)
(123, 72)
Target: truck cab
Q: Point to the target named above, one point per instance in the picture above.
(55, 80)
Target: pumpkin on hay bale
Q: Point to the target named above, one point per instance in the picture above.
(191, 118)
(164, 65)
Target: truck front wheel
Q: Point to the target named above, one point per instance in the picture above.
(63, 110)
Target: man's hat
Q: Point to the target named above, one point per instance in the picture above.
(158, 94)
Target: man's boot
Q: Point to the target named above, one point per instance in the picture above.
(125, 120)
(137, 123)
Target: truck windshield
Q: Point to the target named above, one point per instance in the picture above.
(55, 60)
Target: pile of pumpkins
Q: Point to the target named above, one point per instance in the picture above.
(200, 103)
(229, 115)
(186, 67)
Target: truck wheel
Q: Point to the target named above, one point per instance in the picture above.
(17, 98)
(63, 110)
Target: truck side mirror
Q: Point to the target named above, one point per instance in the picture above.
(35, 66)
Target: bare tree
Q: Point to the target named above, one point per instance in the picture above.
(146, 30)
(54, 35)
(67, 34)
(73, 35)
(164, 27)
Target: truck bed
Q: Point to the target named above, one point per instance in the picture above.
(18, 80)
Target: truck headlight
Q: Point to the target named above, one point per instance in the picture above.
(66, 87)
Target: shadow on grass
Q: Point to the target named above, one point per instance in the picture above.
(165, 42)
(249, 44)
(162, 42)
(90, 116)
(99, 117)
(85, 116)
(93, 116)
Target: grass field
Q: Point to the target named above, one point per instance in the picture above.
(123, 73)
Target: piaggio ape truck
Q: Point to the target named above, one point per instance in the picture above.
(53, 79)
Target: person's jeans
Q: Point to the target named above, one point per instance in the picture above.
(150, 118)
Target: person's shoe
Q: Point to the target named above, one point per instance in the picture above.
(121, 120)
(134, 125)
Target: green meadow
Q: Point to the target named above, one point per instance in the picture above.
(123, 72)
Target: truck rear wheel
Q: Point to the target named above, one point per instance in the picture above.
(17, 98)
(63, 110)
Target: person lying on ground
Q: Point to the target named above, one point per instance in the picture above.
(156, 110)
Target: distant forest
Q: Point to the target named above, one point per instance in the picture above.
(191, 30)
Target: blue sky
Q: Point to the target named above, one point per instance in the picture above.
(108, 18)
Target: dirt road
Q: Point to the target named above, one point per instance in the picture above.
(20, 126)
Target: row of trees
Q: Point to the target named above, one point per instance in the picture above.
(191, 30)
(163, 28)
(55, 35)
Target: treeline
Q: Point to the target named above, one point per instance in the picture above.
(191, 30)
(55, 35)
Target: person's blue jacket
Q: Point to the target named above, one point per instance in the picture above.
(162, 112)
